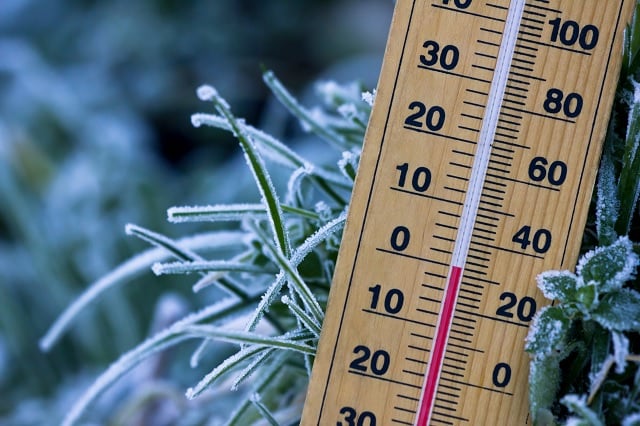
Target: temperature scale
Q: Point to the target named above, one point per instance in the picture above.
(476, 175)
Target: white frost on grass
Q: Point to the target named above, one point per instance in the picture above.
(607, 202)
(631, 420)
(369, 97)
(127, 271)
(620, 351)
(215, 213)
(207, 93)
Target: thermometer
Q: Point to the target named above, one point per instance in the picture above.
(476, 175)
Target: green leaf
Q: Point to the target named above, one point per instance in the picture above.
(559, 285)
(619, 311)
(609, 266)
(607, 202)
(547, 335)
(544, 378)
(227, 366)
(578, 405)
(264, 411)
(258, 169)
(295, 281)
(629, 180)
(160, 240)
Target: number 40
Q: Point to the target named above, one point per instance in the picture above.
(460, 4)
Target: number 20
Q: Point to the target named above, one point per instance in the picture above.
(433, 117)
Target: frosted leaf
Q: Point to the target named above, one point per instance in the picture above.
(348, 164)
(578, 405)
(610, 266)
(323, 210)
(631, 420)
(205, 266)
(223, 368)
(544, 377)
(294, 183)
(634, 113)
(306, 118)
(348, 111)
(548, 332)
(620, 351)
(575, 421)
(619, 311)
(369, 97)
(559, 285)
(607, 202)
(337, 94)
(214, 213)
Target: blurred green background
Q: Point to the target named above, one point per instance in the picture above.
(95, 105)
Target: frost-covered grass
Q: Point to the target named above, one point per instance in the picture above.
(278, 255)
(274, 279)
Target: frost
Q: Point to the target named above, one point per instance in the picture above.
(205, 266)
(293, 185)
(215, 213)
(634, 112)
(632, 420)
(559, 285)
(323, 210)
(607, 202)
(348, 164)
(160, 341)
(610, 266)
(126, 271)
(578, 405)
(620, 351)
(202, 119)
(329, 90)
(544, 377)
(548, 332)
(207, 93)
(619, 311)
(369, 97)
(348, 111)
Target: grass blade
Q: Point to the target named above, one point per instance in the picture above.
(206, 266)
(128, 271)
(302, 113)
(258, 169)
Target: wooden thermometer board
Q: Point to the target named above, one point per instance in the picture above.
(476, 175)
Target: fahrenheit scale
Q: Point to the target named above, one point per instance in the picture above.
(476, 175)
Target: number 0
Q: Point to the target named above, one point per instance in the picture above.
(501, 375)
